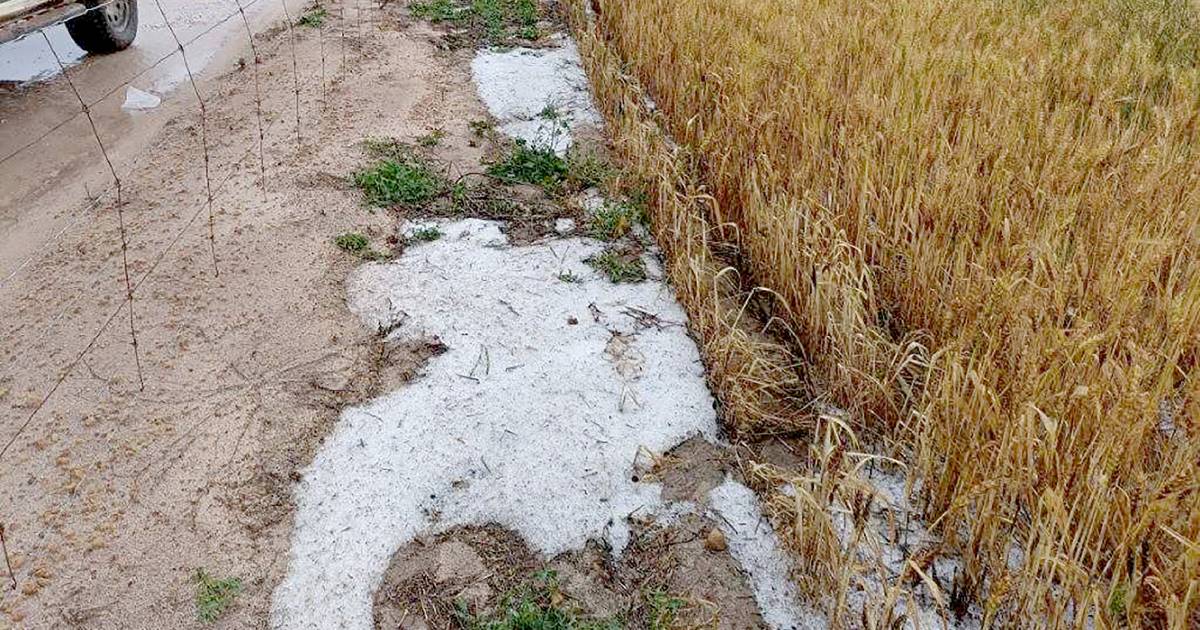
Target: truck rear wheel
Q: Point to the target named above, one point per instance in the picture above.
(106, 27)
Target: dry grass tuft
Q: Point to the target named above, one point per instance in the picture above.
(979, 224)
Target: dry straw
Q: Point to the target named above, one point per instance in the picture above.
(978, 222)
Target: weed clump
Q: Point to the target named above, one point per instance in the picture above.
(313, 18)
(482, 128)
(613, 220)
(538, 606)
(425, 234)
(619, 265)
(400, 178)
(357, 245)
(213, 595)
(432, 139)
(662, 609)
(492, 22)
(531, 164)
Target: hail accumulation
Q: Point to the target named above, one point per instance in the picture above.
(534, 416)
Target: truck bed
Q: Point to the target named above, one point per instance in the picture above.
(19, 17)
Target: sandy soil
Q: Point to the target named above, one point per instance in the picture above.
(35, 100)
(112, 497)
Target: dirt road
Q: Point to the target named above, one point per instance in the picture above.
(111, 496)
(35, 100)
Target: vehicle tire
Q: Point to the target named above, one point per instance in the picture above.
(106, 27)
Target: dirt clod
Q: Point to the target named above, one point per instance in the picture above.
(715, 541)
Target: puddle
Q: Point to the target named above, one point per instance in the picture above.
(531, 420)
(28, 59)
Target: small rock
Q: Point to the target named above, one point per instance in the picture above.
(572, 320)
(715, 541)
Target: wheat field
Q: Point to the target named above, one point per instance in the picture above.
(978, 222)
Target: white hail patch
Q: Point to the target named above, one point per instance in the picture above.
(754, 545)
(529, 420)
(538, 95)
(139, 100)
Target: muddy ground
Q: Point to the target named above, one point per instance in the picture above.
(113, 496)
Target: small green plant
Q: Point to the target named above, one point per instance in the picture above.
(432, 139)
(569, 278)
(1118, 601)
(612, 220)
(529, 33)
(618, 266)
(662, 609)
(530, 164)
(492, 21)
(438, 11)
(356, 244)
(352, 242)
(314, 18)
(525, 12)
(539, 606)
(499, 15)
(213, 596)
(425, 234)
(481, 128)
(400, 180)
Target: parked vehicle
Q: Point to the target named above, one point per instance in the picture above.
(97, 26)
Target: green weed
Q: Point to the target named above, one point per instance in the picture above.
(619, 266)
(401, 179)
(352, 242)
(388, 149)
(526, 163)
(493, 22)
(432, 139)
(482, 128)
(213, 596)
(314, 18)
(612, 220)
(425, 234)
(662, 609)
(539, 606)
(569, 278)
(356, 244)
(1118, 601)
(438, 11)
